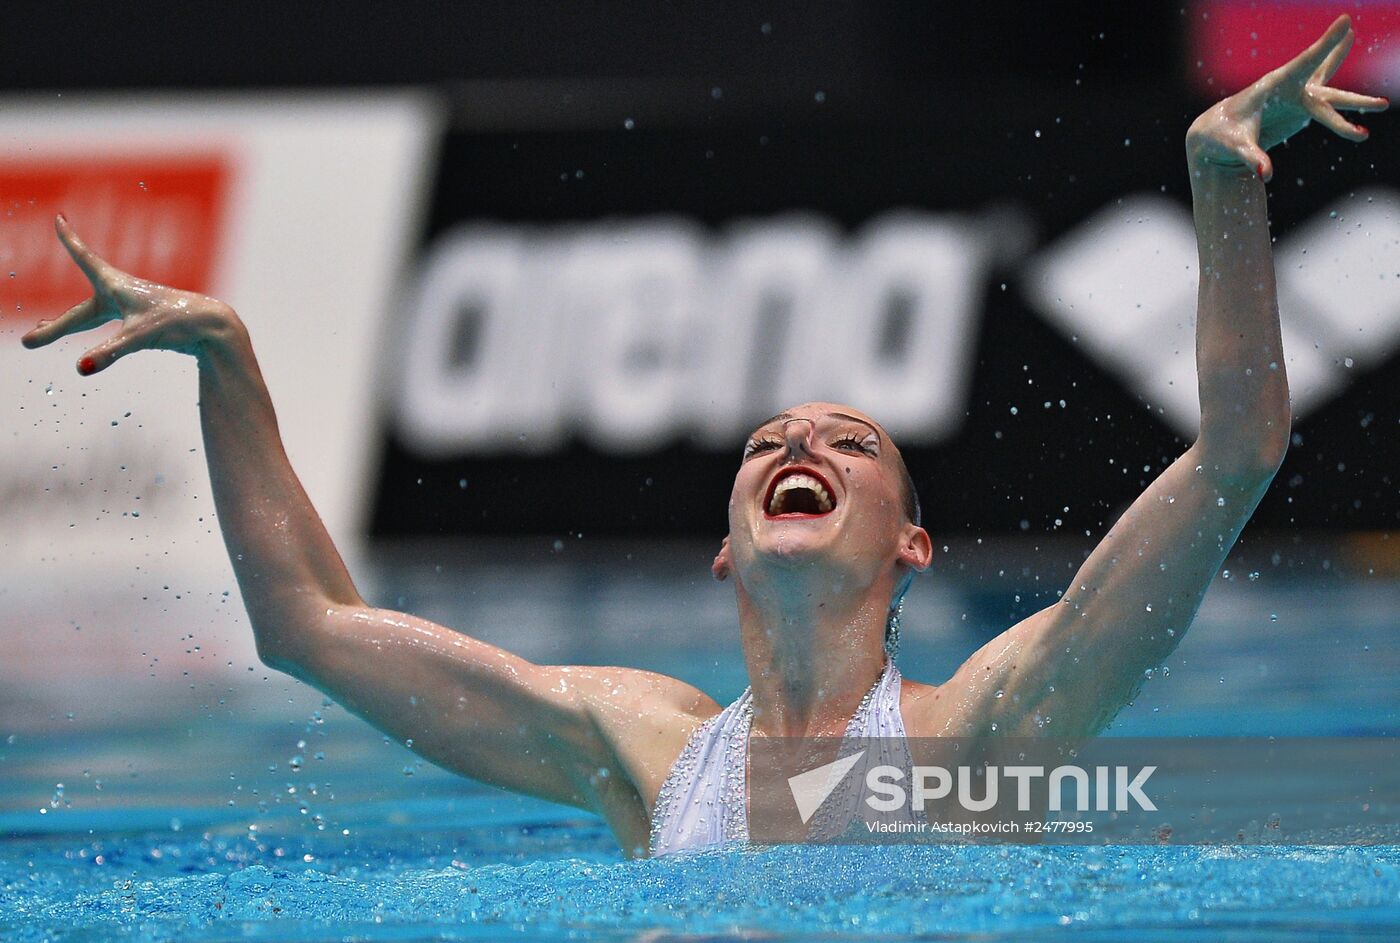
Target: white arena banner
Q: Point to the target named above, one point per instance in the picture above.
(632, 335)
(297, 209)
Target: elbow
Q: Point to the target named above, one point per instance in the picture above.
(292, 640)
(278, 651)
(1246, 462)
(1272, 451)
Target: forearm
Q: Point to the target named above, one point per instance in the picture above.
(1239, 351)
(287, 567)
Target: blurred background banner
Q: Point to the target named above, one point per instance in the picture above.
(1232, 42)
(975, 228)
(298, 210)
(645, 230)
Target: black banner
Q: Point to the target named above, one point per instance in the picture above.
(1040, 428)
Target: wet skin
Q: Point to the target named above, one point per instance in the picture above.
(814, 589)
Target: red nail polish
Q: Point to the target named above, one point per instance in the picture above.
(1362, 129)
(87, 366)
(1260, 171)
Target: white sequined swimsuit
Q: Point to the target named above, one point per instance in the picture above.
(704, 800)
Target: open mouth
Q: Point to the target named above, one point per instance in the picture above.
(796, 493)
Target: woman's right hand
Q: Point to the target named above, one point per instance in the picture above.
(154, 317)
(1238, 131)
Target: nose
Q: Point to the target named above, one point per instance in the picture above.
(797, 436)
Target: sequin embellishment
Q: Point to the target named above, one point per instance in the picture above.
(704, 800)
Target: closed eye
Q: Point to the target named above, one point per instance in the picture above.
(852, 443)
(761, 445)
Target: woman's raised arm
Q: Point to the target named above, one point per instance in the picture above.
(1080, 660)
(553, 732)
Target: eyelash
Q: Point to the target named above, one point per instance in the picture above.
(850, 438)
(760, 445)
(763, 445)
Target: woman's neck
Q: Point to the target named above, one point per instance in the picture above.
(811, 655)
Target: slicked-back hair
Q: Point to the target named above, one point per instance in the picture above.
(913, 510)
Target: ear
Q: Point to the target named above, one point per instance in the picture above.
(723, 562)
(916, 552)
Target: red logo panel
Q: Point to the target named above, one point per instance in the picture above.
(160, 218)
(1233, 42)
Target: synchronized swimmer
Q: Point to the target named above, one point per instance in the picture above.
(824, 539)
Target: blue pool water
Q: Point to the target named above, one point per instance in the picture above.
(246, 808)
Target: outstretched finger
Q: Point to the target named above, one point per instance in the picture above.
(100, 272)
(80, 317)
(1325, 114)
(1307, 62)
(1354, 101)
(111, 350)
(1334, 59)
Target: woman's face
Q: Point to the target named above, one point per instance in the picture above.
(818, 482)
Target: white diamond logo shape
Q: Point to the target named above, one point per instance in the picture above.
(1122, 286)
(810, 789)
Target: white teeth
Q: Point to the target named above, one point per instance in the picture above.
(806, 482)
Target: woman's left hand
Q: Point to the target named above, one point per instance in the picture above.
(1238, 131)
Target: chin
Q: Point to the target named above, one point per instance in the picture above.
(794, 543)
